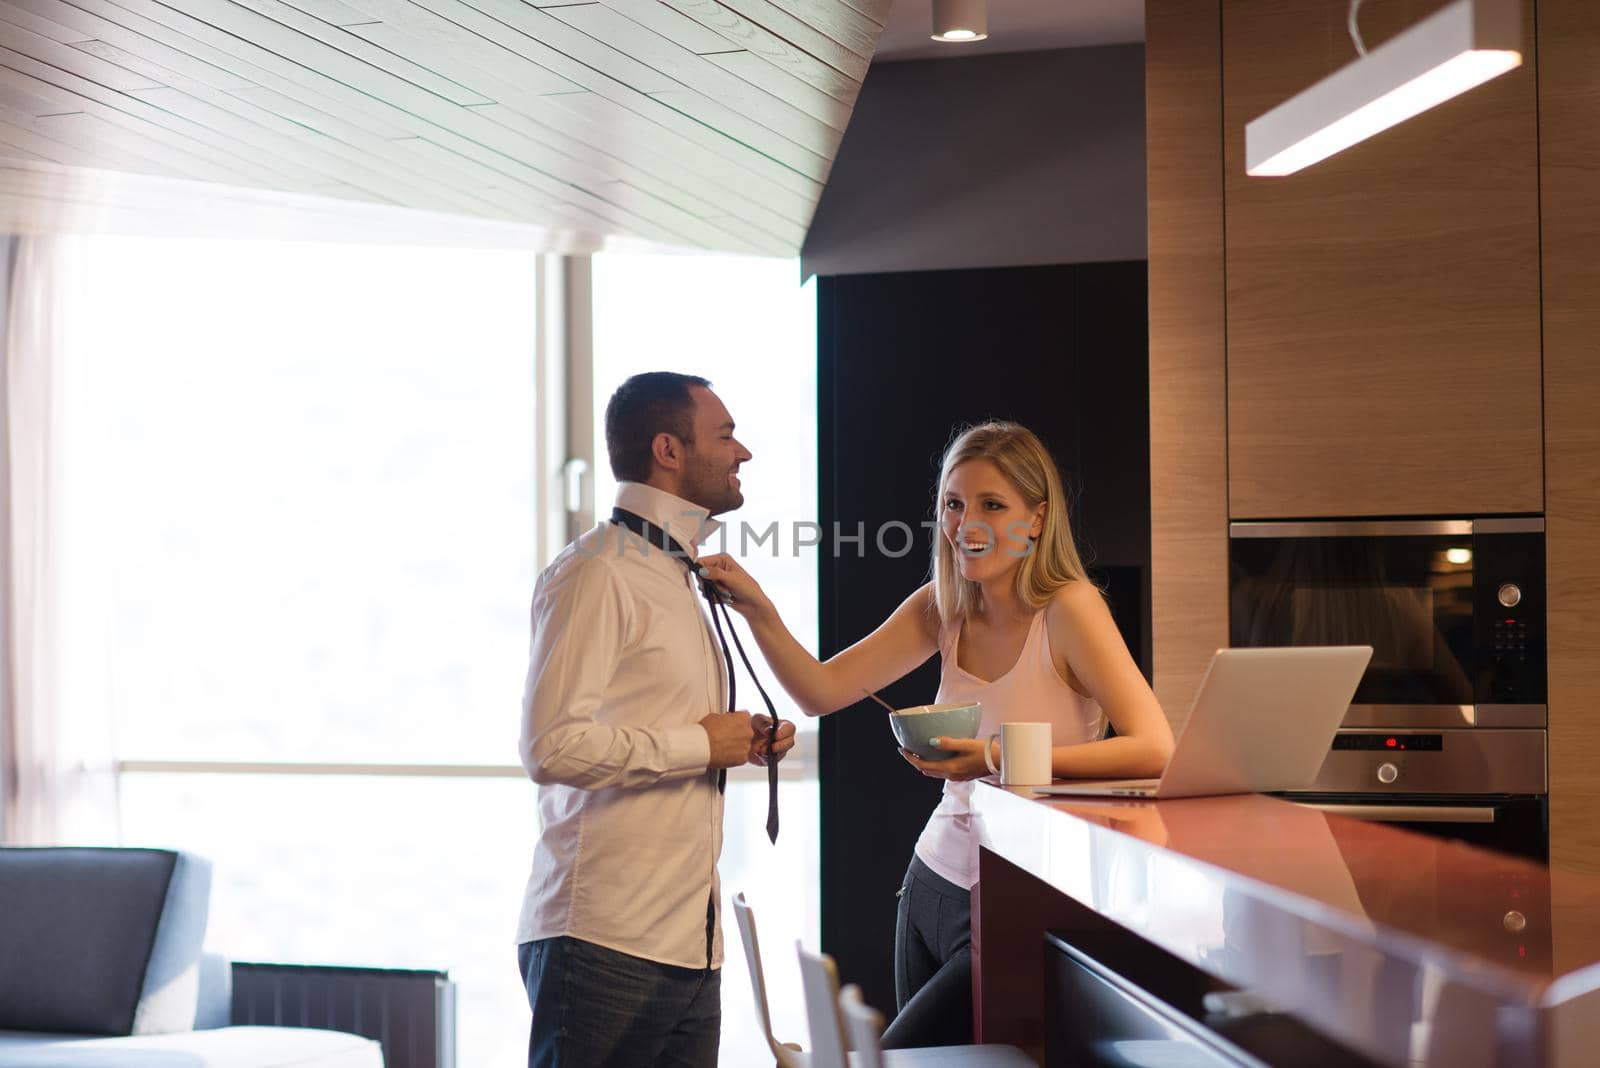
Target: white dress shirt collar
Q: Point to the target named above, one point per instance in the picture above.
(689, 524)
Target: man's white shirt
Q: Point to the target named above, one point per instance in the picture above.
(623, 667)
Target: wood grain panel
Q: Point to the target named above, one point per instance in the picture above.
(161, 76)
(798, 158)
(34, 143)
(75, 61)
(595, 166)
(271, 84)
(784, 86)
(446, 52)
(345, 56)
(727, 16)
(772, 48)
(462, 55)
(20, 102)
(333, 12)
(710, 80)
(610, 128)
(396, 86)
(44, 27)
(172, 51)
(840, 22)
(673, 25)
(42, 198)
(524, 30)
(1383, 305)
(876, 10)
(626, 122)
(581, 58)
(82, 118)
(1188, 444)
(1569, 148)
(711, 123)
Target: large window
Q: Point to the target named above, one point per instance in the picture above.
(303, 502)
(308, 470)
(301, 483)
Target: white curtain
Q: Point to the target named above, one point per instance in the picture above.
(57, 765)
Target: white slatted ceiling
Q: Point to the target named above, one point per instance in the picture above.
(698, 123)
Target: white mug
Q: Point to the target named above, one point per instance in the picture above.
(1024, 754)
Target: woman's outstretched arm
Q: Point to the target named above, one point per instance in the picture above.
(902, 642)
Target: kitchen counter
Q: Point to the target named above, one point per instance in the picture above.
(1402, 949)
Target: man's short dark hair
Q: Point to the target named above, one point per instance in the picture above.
(645, 405)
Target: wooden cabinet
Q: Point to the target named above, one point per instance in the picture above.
(1411, 327)
(1383, 335)
(1569, 129)
(1188, 361)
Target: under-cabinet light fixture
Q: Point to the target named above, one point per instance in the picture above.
(958, 21)
(1458, 47)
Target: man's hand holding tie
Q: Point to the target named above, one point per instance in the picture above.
(731, 738)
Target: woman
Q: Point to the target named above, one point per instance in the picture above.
(1018, 628)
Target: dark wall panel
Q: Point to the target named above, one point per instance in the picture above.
(988, 161)
(903, 359)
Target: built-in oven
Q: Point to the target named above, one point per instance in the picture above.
(1446, 732)
(1486, 786)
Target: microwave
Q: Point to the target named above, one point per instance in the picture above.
(1454, 610)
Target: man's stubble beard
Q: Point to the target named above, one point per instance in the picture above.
(710, 490)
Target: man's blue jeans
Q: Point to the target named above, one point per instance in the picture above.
(598, 1008)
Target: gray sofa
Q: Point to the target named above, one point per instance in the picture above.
(101, 967)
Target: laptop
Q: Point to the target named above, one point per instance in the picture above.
(1263, 720)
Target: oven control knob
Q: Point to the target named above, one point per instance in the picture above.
(1509, 594)
(1387, 773)
(1514, 921)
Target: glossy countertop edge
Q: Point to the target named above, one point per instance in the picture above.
(1460, 1004)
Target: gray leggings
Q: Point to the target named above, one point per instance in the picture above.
(932, 963)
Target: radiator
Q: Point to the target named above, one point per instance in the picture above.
(412, 1013)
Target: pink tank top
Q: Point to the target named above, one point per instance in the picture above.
(1033, 692)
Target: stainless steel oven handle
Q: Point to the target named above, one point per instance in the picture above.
(1348, 528)
(1358, 528)
(1423, 717)
(1407, 813)
(1409, 716)
(1514, 525)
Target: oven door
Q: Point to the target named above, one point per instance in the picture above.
(1501, 906)
(1483, 786)
(1422, 593)
(1518, 826)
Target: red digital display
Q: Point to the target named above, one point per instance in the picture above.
(1355, 740)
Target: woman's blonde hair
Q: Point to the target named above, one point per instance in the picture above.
(1052, 560)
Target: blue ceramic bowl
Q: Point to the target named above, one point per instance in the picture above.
(916, 728)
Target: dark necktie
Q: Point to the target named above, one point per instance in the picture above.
(660, 539)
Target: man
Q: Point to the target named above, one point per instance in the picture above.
(625, 728)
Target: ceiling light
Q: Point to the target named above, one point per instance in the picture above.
(960, 20)
(1462, 45)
